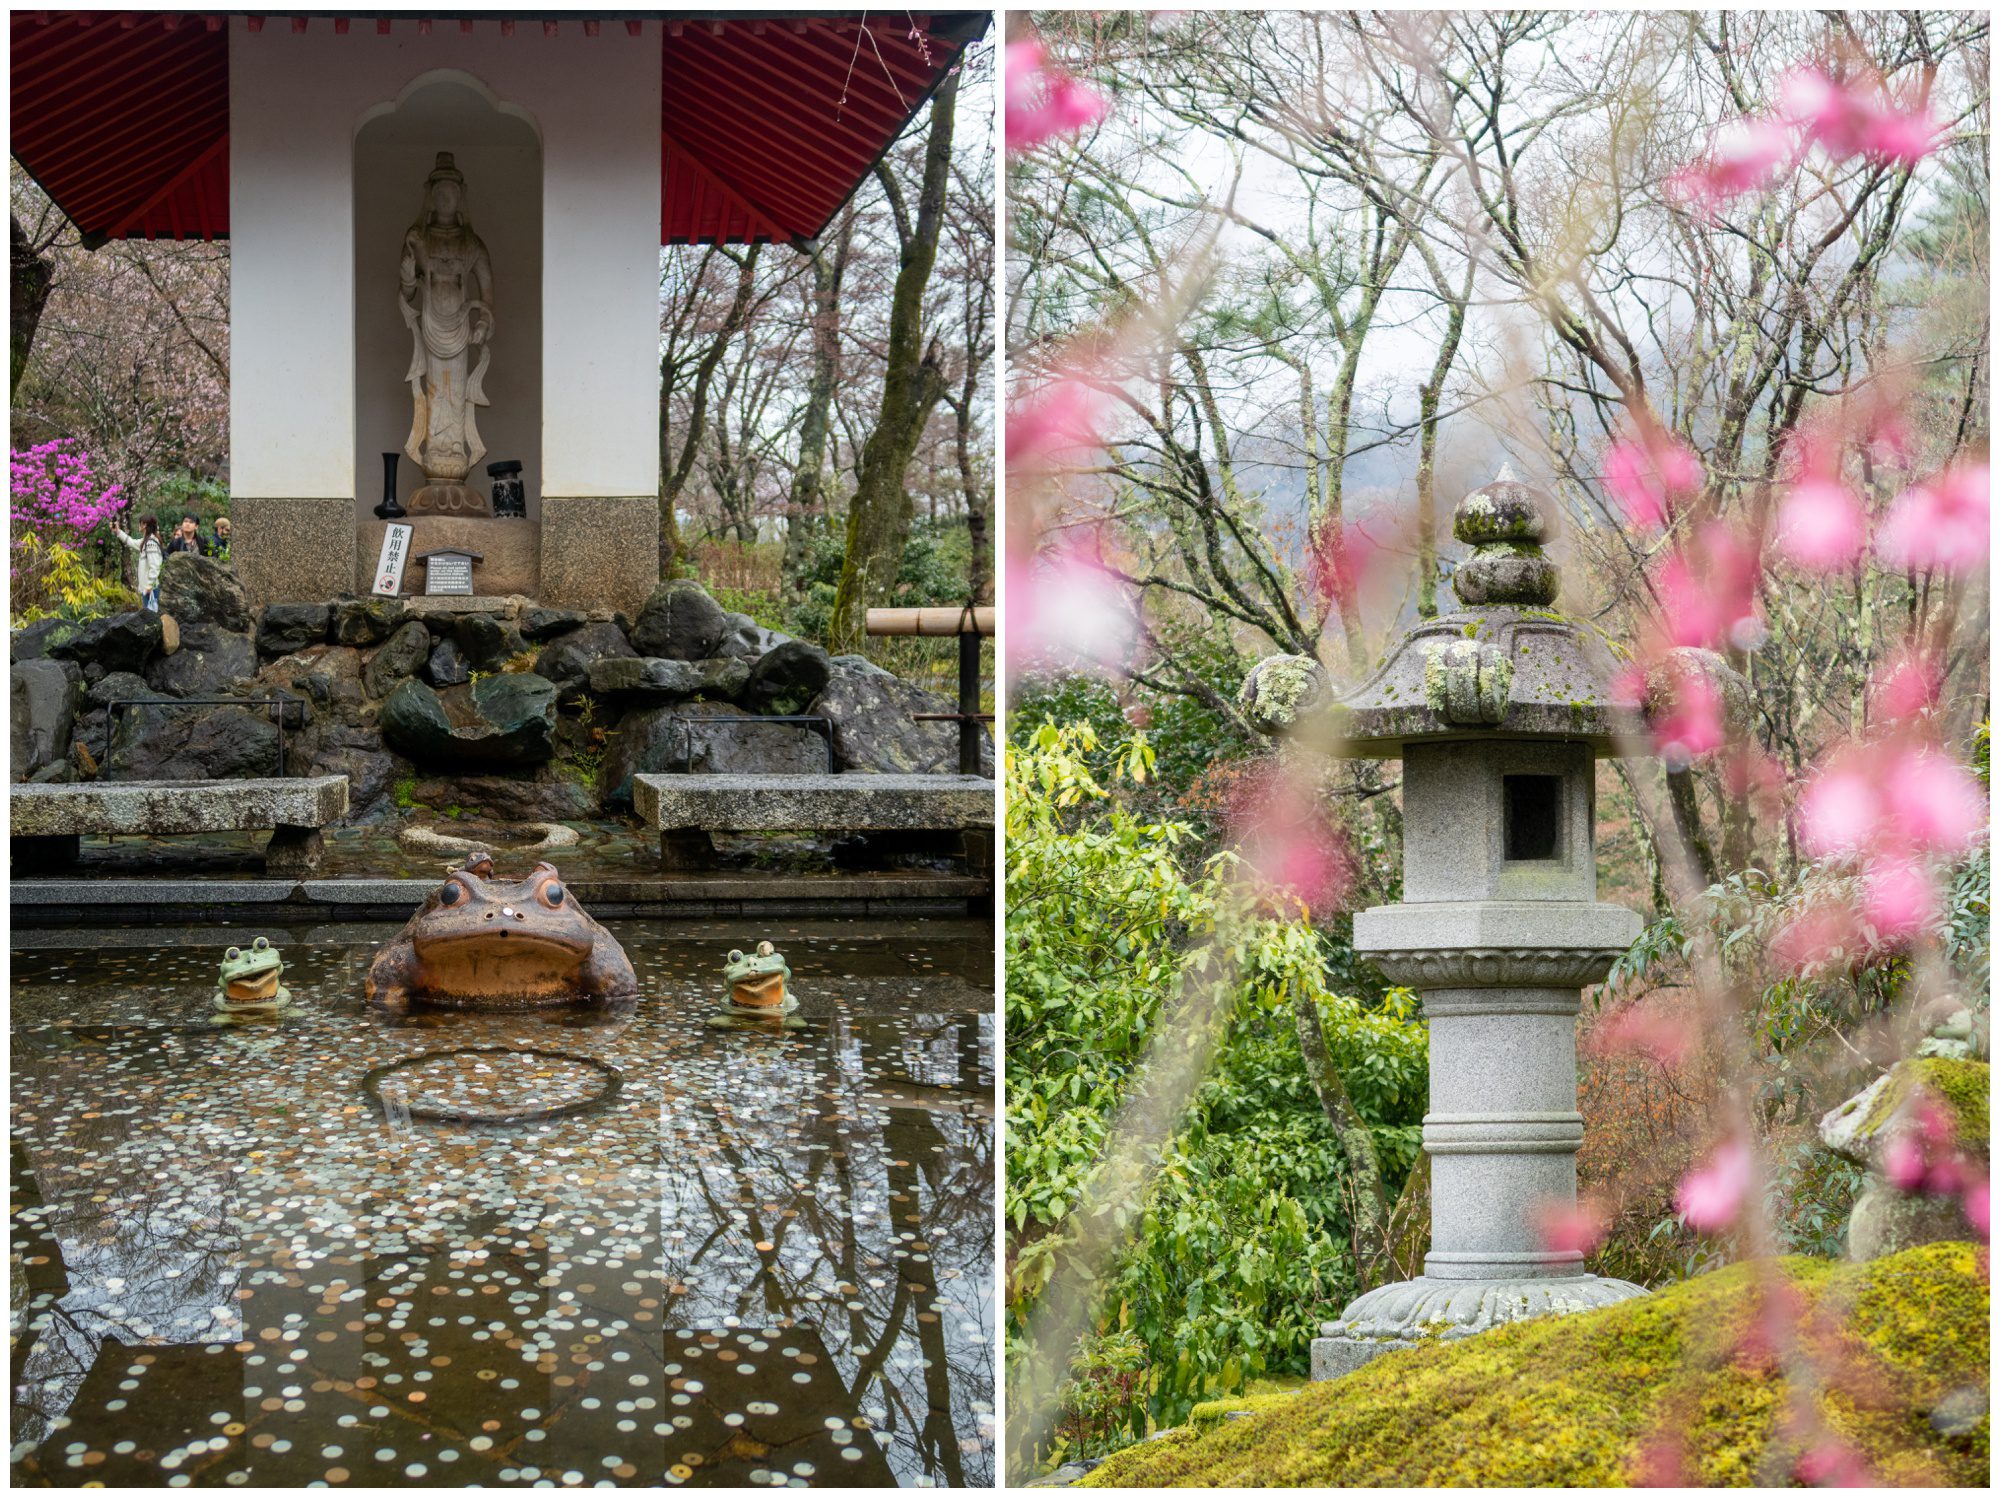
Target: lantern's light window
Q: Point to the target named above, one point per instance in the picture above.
(1533, 816)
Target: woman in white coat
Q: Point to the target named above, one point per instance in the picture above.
(152, 556)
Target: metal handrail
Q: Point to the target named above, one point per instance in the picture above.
(280, 703)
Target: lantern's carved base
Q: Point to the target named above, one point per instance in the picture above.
(1427, 1309)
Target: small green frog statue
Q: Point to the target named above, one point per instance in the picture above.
(757, 983)
(249, 984)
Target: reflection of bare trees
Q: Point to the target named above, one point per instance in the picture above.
(822, 1210)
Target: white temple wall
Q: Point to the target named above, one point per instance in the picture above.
(297, 104)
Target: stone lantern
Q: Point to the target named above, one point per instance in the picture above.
(1498, 717)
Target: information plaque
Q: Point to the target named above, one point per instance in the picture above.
(448, 572)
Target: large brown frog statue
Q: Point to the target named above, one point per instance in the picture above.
(480, 944)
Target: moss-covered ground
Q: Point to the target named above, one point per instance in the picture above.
(1682, 1384)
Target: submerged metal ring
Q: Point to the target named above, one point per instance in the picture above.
(371, 1086)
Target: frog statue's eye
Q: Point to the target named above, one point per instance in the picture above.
(232, 954)
(451, 893)
(552, 892)
(735, 955)
(260, 944)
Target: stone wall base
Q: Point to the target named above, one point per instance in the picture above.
(292, 550)
(600, 553)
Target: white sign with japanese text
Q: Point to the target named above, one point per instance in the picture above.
(395, 552)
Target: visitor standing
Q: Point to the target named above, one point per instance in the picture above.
(187, 538)
(151, 558)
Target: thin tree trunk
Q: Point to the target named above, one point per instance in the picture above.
(1371, 1203)
(33, 277)
(1428, 400)
(878, 518)
(803, 504)
(674, 472)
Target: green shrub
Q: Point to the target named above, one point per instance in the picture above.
(1243, 1244)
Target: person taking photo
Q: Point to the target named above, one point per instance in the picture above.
(152, 557)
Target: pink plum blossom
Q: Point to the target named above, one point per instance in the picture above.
(1908, 686)
(1941, 525)
(1691, 723)
(1641, 1029)
(1821, 525)
(1287, 842)
(1710, 1197)
(1934, 804)
(1067, 605)
(1578, 1227)
(1651, 479)
(1814, 936)
(1851, 118)
(1043, 102)
(1840, 809)
(1898, 897)
(1747, 155)
(1904, 139)
(1056, 421)
(1833, 1464)
(1979, 1207)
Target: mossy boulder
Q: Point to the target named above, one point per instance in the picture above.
(1858, 1126)
(1589, 1400)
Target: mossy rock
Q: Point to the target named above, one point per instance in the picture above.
(1577, 1400)
(1961, 1087)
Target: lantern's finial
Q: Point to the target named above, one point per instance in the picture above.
(1504, 524)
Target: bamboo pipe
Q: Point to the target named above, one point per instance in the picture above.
(945, 621)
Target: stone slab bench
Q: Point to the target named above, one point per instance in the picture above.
(687, 810)
(49, 820)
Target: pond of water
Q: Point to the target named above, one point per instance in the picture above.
(766, 1260)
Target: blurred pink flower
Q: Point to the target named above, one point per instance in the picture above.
(1839, 810)
(1056, 422)
(1979, 1207)
(1855, 118)
(1708, 592)
(1651, 479)
(1898, 898)
(1578, 1227)
(1941, 525)
(1745, 156)
(1933, 802)
(1287, 842)
(1642, 1029)
(1067, 606)
(1043, 102)
(1690, 724)
(1710, 1198)
(1903, 1163)
(1814, 936)
(1821, 525)
(1907, 686)
(1833, 1464)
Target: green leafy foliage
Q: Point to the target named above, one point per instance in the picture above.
(1243, 1243)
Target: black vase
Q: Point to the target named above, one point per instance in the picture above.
(389, 509)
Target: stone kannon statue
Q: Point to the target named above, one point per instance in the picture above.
(447, 303)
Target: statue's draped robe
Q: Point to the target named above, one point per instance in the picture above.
(447, 283)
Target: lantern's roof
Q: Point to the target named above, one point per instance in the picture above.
(1506, 666)
(768, 122)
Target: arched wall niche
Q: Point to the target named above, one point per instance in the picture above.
(498, 147)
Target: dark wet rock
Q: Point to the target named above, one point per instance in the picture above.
(211, 660)
(400, 657)
(545, 797)
(287, 627)
(118, 642)
(787, 679)
(366, 621)
(448, 666)
(200, 590)
(46, 696)
(31, 641)
(704, 739)
(220, 743)
(357, 753)
(486, 642)
(567, 659)
(873, 729)
(540, 624)
(680, 622)
(645, 678)
(745, 636)
(121, 686)
(499, 722)
(329, 676)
